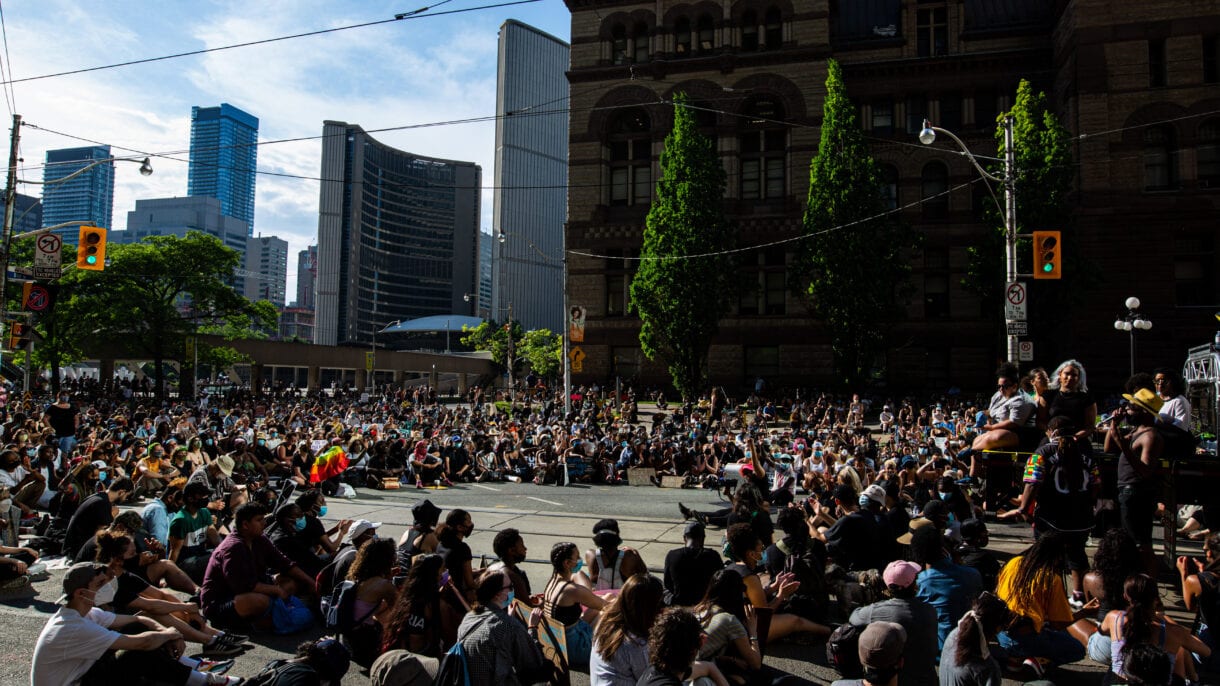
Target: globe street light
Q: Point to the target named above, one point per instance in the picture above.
(1131, 322)
(927, 136)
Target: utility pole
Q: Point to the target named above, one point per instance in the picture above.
(10, 202)
(1010, 221)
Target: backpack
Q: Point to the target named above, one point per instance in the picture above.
(453, 670)
(270, 674)
(340, 611)
(843, 650)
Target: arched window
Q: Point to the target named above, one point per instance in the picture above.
(888, 175)
(1208, 154)
(618, 44)
(682, 36)
(763, 144)
(749, 31)
(1160, 158)
(639, 38)
(707, 33)
(933, 184)
(773, 31)
(629, 156)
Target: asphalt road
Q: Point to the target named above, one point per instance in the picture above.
(544, 514)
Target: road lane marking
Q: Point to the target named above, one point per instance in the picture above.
(548, 502)
(487, 487)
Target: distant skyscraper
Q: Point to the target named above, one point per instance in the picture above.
(176, 216)
(530, 177)
(397, 236)
(266, 269)
(224, 156)
(307, 274)
(85, 198)
(485, 252)
(27, 214)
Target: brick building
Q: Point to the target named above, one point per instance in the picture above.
(756, 70)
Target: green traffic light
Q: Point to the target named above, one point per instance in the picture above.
(1048, 267)
(91, 259)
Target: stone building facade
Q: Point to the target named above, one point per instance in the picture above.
(756, 71)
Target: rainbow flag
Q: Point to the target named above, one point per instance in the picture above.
(328, 465)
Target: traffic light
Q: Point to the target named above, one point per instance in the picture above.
(1048, 255)
(91, 249)
(18, 335)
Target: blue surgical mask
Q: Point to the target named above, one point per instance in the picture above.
(101, 476)
(945, 496)
(322, 511)
(300, 523)
(580, 564)
(512, 595)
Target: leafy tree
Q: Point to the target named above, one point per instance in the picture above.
(851, 262)
(1042, 183)
(680, 292)
(155, 293)
(494, 338)
(543, 350)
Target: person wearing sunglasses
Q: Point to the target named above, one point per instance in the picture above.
(1004, 424)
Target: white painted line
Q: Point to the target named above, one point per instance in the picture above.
(487, 487)
(548, 502)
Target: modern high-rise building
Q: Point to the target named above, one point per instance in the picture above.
(27, 214)
(224, 157)
(177, 216)
(485, 257)
(397, 236)
(266, 269)
(85, 198)
(307, 274)
(531, 171)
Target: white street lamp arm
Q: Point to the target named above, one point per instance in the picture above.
(145, 169)
(927, 140)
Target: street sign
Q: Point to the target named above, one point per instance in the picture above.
(36, 297)
(577, 356)
(1017, 328)
(47, 272)
(1015, 302)
(369, 359)
(1025, 351)
(46, 251)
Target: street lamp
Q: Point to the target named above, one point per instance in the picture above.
(1131, 322)
(927, 136)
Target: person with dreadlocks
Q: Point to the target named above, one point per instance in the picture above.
(1201, 591)
(1061, 484)
(1142, 623)
(1045, 626)
(966, 659)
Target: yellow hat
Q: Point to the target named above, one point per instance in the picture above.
(1146, 400)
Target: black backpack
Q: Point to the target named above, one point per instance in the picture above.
(341, 609)
(843, 650)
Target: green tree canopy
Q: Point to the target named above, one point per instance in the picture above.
(682, 287)
(852, 261)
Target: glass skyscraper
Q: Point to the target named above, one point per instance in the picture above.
(224, 157)
(85, 198)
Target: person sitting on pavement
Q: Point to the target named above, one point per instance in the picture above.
(25, 484)
(620, 644)
(153, 471)
(966, 658)
(458, 557)
(805, 557)
(1142, 621)
(131, 594)
(376, 596)
(82, 644)
(236, 588)
(689, 569)
(361, 532)
(428, 466)
(421, 537)
(1008, 422)
(192, 532)
(1044, 625)
(854, 541)
(510, 550)
(731, 626)
(149, 562)
(157, 513)
(563, 600)
(94, 514)
(882, 650)
(673, 645)
(948, 587)
(499, 651)
(915, 616)
(746, 553)
(224, 495)
(415, 622)
(290, 523)
(973, 552)
(609, 565)
(315, 533)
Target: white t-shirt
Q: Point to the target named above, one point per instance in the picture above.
(69, 645)
(11, 479)
(1175, 410)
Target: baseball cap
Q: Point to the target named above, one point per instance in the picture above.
(79, 576)
(359, 527)
(900, 573)
(881, 644)
(694, 530)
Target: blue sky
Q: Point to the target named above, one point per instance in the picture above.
(406, 72)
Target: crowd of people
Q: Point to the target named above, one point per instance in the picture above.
(208, 521)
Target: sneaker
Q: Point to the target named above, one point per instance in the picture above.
(236, 638)
(1034, 665)
(219, 647)
(214, 666)
(222, 680)
(419, 485)
(14, 584)
(687, 513)
(1076, 600)
(38, 572)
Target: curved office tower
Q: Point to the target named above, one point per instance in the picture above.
(397, 236)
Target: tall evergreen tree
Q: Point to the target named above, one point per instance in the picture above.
(852, 261)
(680, 292)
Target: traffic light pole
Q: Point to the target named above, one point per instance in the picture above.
(1010, 222)
(6, 237)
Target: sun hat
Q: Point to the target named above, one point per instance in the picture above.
(1145, 400)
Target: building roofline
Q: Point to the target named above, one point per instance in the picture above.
(536, 30)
